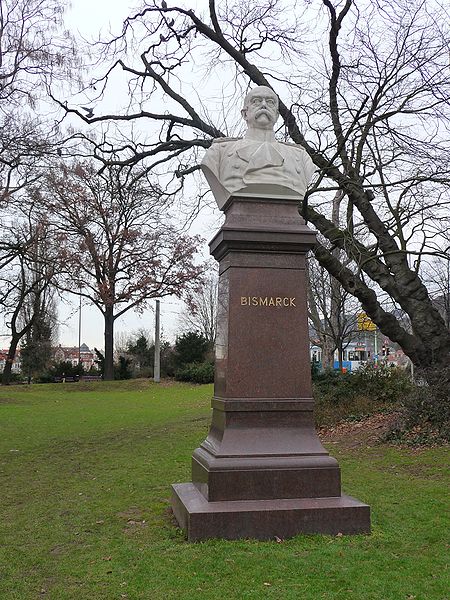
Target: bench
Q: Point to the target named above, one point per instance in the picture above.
(66, 379)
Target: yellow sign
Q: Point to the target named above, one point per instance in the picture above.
(365, 323)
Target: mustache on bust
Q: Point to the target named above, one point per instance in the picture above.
(264, 111)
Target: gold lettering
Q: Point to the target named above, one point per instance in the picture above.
(267, 301)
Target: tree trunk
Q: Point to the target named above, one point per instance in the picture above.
(109, 344)
(427, 345)
(327, 354)
(6, 377)
(335, 287)
(340, 355)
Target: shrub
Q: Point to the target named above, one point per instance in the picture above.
(315, 369)
(196, 373)
(351, 395)
(383, 383)
(60, 369)
(46, 377)
(380, 383)
(425, 412)
(143, 373)
(191, 347)
(122, 369)
(14, 377)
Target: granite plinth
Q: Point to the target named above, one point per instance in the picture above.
(266, 519)
(262, 470)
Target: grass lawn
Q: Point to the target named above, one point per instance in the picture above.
(85, 474)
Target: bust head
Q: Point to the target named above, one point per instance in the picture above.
(260, 110)
(257, 165)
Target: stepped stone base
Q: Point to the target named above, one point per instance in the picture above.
(266, 519)
(262, 471)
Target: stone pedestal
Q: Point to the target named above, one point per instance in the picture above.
(262, 471)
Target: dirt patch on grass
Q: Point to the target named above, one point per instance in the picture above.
(133, 518)
(424, 471)
(4, 400)
(118, 386)
(367, 431)
(372, 430)
(106, 386)
(134, 512)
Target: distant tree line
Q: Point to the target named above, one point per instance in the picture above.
(190, 358)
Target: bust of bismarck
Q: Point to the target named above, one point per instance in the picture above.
(257, 165)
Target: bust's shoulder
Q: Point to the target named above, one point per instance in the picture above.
(297, 151)
(224, 140)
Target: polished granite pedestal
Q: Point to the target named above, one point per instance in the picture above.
(262, 472)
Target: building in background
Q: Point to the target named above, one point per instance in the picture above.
(17, 363)
(362, 350)
(75, 355)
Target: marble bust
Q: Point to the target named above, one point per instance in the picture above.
(257, 164)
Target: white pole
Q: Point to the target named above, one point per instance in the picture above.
(157, 367)
(79, 333)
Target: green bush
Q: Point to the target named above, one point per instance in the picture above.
(45, 377)
(196, 373)
(122, 369)
(425, 413)
(315, 369)
(14, 377)
(383, 383)
(380, 383)
(60, 369)
(143, 373)
(352, 395)
(335, 388)
(191, 347)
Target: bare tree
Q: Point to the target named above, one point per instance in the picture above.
(437, 275)
(118, 244)
(25, 283)
(201, 311)
(39, 340)
(34, 51)
(371, 110)
(24, 152)
(331, 311)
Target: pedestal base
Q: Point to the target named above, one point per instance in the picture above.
(262, 472)
(266, 519)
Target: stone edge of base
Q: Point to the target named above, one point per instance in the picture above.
(266, 519)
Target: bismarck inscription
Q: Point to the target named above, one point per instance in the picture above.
(268, 301)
